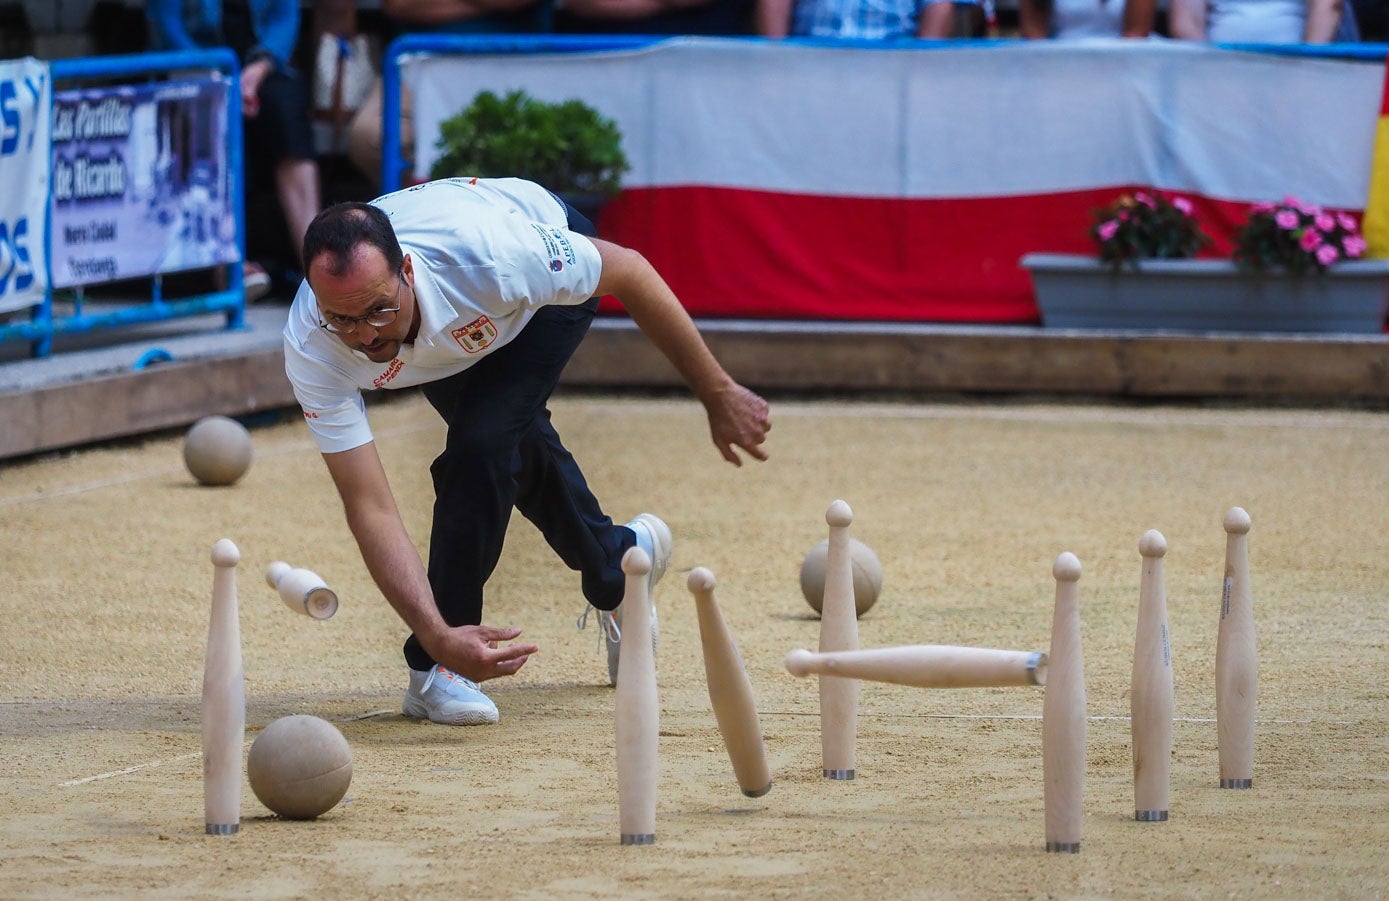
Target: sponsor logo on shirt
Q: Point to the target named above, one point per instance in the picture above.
(391, 372)
(557, 245)
(309, 414)
(476, 336)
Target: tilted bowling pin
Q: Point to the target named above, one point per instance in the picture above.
(638, 714)
(838, 632)
(1063, 714)
(224, 699)
(1150, 698)
(1236, 660)
(730, 690)
(926, 666)
(302, 590)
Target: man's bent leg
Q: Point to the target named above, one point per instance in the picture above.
(489, 409)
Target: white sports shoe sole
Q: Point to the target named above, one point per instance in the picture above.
(662, 544)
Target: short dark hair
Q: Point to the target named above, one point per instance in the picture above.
(339, 229)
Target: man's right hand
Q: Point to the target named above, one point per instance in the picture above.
(473, 651)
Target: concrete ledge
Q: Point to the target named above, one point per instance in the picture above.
(166, 395)
(827, 356)
(770, 356)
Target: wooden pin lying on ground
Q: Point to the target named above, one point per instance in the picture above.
(926, 666)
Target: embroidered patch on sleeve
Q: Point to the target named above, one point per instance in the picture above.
(476, 336)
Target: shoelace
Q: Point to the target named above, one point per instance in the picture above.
(607, 623)
(448, 674)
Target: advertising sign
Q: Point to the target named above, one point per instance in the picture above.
(24, 95)
(140, 181)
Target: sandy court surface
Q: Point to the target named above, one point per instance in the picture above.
(107, 581)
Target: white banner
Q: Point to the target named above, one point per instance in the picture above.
(960, 122)
(25, 92)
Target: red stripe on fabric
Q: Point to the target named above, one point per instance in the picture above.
(751, 254)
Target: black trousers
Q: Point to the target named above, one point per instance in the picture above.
(502, 452)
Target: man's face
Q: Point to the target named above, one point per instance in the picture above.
(366, 288)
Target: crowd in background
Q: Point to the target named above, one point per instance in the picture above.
(311, 93)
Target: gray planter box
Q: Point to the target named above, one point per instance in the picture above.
(1075, 291)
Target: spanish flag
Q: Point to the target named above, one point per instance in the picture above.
(1376, 224)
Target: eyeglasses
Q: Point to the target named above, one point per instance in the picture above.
(379, 318)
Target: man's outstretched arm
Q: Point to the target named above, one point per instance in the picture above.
(737, 416)
(395, 565)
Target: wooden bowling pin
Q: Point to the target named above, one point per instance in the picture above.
(730, 690)
(224, 699)
(926, 666)
(1063, 714)
(637, 713)
(1236, 660)
(838, 632)
(302, 590)
(1150, 697)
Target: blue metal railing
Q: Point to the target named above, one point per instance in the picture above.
(44, 324)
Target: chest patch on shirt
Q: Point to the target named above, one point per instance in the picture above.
(476, 336)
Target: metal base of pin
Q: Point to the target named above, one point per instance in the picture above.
(1236, 783)
(222, 828)
(1064, 847)
(758, 792)
(1035, 659)
(838, 774)
(1150, 816)
(646, 838)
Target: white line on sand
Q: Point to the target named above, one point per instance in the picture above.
(190, 756)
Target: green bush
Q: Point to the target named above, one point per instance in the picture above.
(567, 147)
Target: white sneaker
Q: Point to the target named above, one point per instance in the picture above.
(653, 536)
(442, 696)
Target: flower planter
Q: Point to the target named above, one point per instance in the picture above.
(1075, 291)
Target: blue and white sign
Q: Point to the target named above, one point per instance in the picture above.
(140, 181)
(25, 90)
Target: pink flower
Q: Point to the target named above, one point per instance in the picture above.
(1293, 202)
(1354, 245)
(1324, 221)
(1182, 204)
(1108, 228)
(1346, 221)
(1326, 254)
(1310, 240)
(1144, 199)
(1286, 219)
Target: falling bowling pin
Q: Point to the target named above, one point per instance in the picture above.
(302, 590)
(1236, 659)
(1063, 714)
(730, 690)
(224, 699)
(637, 714)
(1150, 697)
(838, 632)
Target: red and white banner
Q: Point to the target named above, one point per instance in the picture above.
(788, 180)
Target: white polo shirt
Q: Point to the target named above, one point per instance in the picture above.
(487, 254)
